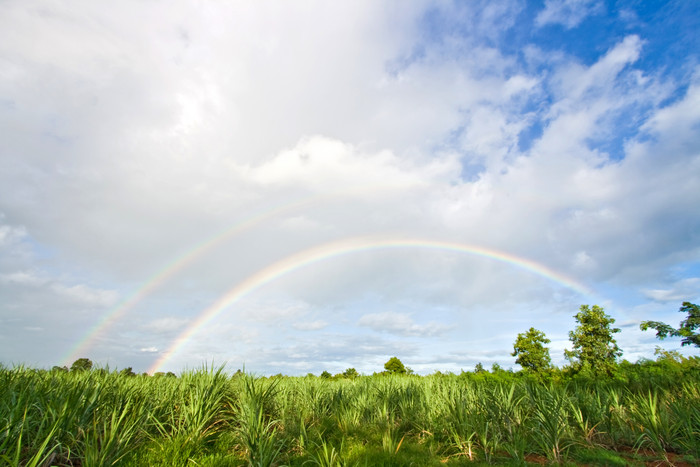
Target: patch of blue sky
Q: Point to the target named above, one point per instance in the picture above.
(39, 250)
(617, 129)
(530, 134)
(471, 170)
(616, 297)
(670, 31)
(536, 107)
(687, 269)
(668, 28)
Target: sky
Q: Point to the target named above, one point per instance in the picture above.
(293, 187)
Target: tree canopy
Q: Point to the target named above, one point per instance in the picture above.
(532, 354)
(686, 330)
(394, 366)
(593, 345)
(81, 364)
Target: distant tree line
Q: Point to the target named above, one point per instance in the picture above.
(594, 350)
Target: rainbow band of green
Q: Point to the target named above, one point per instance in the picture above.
(344, 247)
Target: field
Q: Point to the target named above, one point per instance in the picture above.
(648, 414)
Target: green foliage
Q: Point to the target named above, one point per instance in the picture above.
(594, 349)
(531, 353)
(81, 364)
(128, 371)
(350, 373)
(686, 330)
(210, 418)
(394, 366)
(257, 429)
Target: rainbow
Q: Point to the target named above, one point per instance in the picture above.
(164, 274)
(172, 268)
(345, 247)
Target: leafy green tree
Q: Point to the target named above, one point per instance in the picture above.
(326, 375)
(594, 347)
(530, 349)
(479, 368)
(128, 371)
(394, 366)
(686, 330)
(81, 364)
(350, 373)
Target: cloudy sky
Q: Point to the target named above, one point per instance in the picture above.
(307, 186)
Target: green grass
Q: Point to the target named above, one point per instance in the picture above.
(209, 418)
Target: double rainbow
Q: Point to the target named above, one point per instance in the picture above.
(345, 247)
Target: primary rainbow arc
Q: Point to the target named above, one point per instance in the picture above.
(344, 247)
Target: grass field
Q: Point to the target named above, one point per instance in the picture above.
(210, 418)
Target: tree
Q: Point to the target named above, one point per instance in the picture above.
(594, 346)
(479, 368)
(530, 349)
(81, 364)
(326, 375)
(394, 366)
(128, 371)
(350, 373)
(686, 330)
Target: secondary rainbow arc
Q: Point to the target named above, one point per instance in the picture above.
(170, 270)
(163, 275)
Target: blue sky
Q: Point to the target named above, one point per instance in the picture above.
(158, 156)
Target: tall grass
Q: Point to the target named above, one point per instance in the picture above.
(207, 417)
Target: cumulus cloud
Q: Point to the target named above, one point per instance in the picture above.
(326, 165)
(177, 151)
(401, 324)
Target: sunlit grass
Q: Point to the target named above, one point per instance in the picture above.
(208, 417)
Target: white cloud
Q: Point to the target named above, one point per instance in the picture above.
(683, 290)
(568, 13)
(310, 325)
(165, 325)
(289, 125)
(23, 278)
(327, 165)
(401, 324)
(87, 295)
(10, 235)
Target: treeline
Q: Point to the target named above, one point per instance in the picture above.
(594, 353)
(668, 367)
